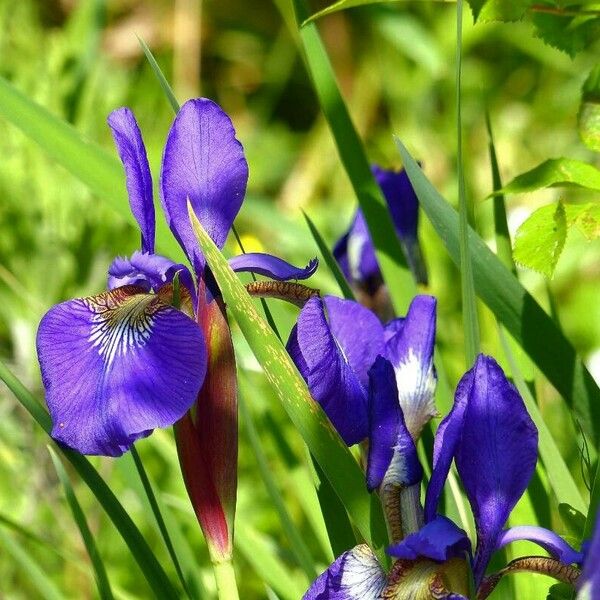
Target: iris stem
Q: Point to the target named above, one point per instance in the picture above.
(225, 579)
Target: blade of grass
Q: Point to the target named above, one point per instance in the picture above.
(389, 253)
(104, 589)
(329, 259)
(140, 550)
(87, 161)
(514, 307)
(38, 579)
(299, 548)
(470, 322)
(323, 441)
(164, 532)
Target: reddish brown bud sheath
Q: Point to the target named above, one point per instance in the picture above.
(207, 437)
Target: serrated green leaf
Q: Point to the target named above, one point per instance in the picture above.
(104, 589)
(514, 307)
(588, 119)
(499, 10)
(566, 32)
(322, 439)
(541, 239)
(587, 220)
(554, 172)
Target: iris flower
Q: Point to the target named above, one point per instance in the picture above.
(355, 252)
(335, 342)
(121, 363)
(493, 441)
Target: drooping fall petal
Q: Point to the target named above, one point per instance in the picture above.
(132, 152)
(548, 540)
(117, 365)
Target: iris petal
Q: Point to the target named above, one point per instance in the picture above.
(355, 575)
(117, 365)
(130, 146)
(319, 356)
(496, 454)
(149, 271)
(411, 353)
(548, 540)
(272, 266)
(392, 451)
(202, 161)
(439, 540)
(589, 582)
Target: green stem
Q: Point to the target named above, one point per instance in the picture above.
(225, 580)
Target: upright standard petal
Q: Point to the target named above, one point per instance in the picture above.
(355, 575)
(411, 353)
(132, 151)
(117, 365)
(438, 540)
(319, 355)
(202, 161)
(272, 266)
(392, 451)
(496, 454)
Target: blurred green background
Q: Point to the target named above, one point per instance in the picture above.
(395, 64)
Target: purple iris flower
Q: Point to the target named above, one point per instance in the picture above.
(121, 363)
(589, 582)
(334, 344)
(355, 252)
(493, 441)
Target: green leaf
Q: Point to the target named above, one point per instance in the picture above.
(554, 172)
(321, 438)
(329, 259)
(389, 253)
(541, 239)
(140, 550)
(87, 161)
(588, 118)
(567, 32)
(164, 84)
(36, 576)
(102, 582)
(573, 519)
(499, 10)
(586, 218)
(513, 306)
